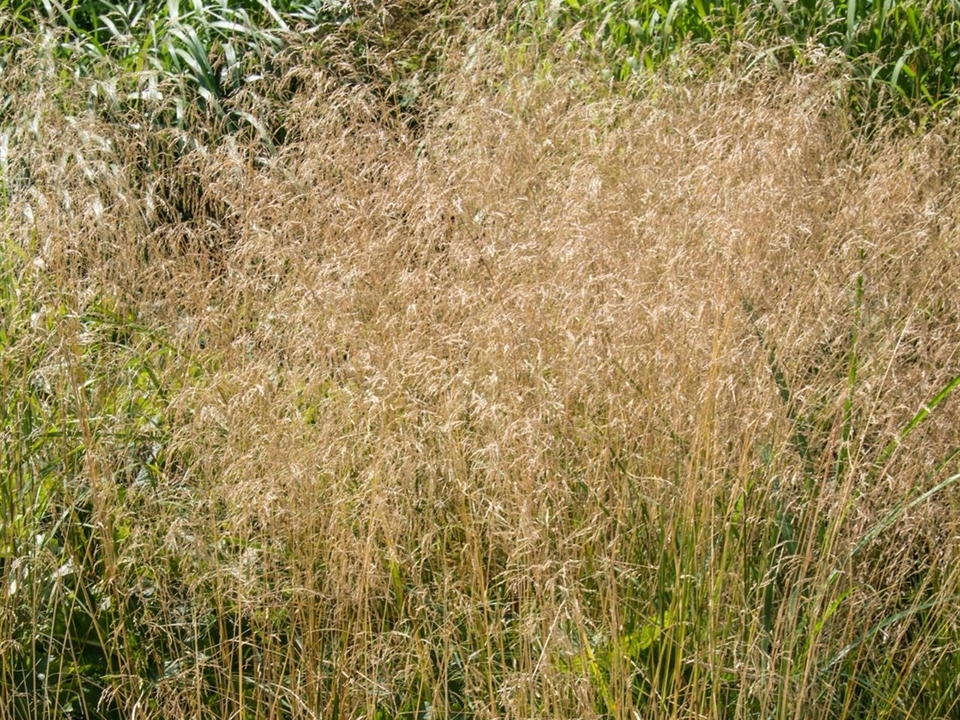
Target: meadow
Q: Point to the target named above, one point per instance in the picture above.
(480, 360)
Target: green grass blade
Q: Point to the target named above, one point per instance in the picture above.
(851, 24)
(62, 12)
(898, 512)
(921, 415)
(879, 627)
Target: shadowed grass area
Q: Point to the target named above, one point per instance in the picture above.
(557, 402)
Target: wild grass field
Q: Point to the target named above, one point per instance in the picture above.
(433, 369)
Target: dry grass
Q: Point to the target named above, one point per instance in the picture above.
(566, 404)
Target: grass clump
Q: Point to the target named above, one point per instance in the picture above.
(555, 402)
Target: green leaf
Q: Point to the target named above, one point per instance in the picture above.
(921, 415)
(851, 24)
(898, 512)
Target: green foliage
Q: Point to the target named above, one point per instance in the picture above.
(168, 59)
(84, 435)
(908, 50)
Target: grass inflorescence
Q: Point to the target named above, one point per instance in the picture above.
(430, 374)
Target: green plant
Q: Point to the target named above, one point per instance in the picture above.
(83, 408)
(906, 50)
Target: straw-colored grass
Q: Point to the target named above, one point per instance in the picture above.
(559, 403)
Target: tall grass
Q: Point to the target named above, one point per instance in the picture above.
(557, 403)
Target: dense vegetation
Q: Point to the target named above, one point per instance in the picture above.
(479, 360)
(907, 50)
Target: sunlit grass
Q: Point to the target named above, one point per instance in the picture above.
(548, 401)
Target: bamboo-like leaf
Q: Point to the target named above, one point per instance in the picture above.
(676, 7)
(64, 15)
(898, 68)
(851, 24)
(266, 4)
